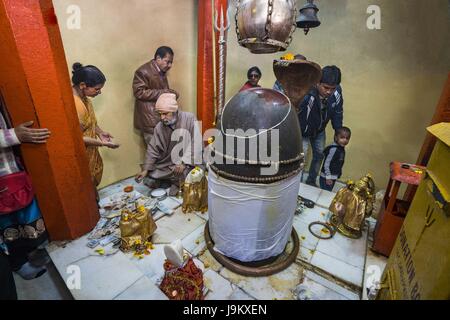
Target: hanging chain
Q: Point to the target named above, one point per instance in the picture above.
(294, 24)
(268, 26)
(238, 4)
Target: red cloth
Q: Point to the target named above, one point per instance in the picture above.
(247, 86)
(185, 283)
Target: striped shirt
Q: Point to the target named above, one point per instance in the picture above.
(8, 139)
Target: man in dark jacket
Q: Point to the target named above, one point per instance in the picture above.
(150, 81)
(323, 103)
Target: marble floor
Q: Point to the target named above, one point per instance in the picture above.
(335, 269)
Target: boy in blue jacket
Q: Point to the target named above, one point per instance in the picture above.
(334, 157)
(323, 103)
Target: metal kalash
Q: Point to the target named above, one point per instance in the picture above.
(265, 26)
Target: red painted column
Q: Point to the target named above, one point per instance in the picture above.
(205, 64)
(35, 85)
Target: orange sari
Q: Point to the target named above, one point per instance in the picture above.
(88, 123)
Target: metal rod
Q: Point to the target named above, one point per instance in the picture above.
(222, 29)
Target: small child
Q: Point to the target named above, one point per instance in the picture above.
(333, 160)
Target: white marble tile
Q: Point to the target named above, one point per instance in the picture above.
(332, 286)
(305, 254)
(204, 215)
(110, 190)
(219, 287)
(309, 192)
(195, 241)
(158, 215)
(338, 268)
(374, 269)
(209, 261)
(176, 226)
(103, 278)
(351, 251)
(239, 294)
(278, 286)
(49, 286)
(325, 198)
(142, 289)
(118, 187)
(315, 214)
(152, 264)
(199, 264)
(338, 186)
(307, 240)
(316, 291)
(62, 256)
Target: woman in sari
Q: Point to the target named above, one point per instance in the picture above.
(88, 82)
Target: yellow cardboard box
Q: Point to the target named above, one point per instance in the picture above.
(419, 265)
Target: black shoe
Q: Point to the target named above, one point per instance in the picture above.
(39, 258)
(308, 203)
(165, 184)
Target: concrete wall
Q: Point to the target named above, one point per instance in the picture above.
(119, 36)
(392, 78)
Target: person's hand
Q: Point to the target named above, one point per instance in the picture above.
(329, 182)
(105, 137)
(140, 176)
(179, 169)
(25, 134)
(111, 145)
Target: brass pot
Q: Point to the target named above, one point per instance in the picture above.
(265, 26)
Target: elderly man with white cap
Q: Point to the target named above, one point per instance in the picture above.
(175, 148)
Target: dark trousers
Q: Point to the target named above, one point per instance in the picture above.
(20, 249)
(324, 186)
(7, 285)
(318, 145)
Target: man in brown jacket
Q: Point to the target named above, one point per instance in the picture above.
(150, 81)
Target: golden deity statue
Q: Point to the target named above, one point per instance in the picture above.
(351, 205)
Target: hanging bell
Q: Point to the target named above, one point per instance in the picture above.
(308, 17)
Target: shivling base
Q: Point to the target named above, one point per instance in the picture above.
(260, 268)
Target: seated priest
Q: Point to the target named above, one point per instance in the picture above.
(175, 148)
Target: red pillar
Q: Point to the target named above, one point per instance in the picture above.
(35, 85)
(205, 64)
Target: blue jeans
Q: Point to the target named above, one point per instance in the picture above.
(324, 186)
(318, 145)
